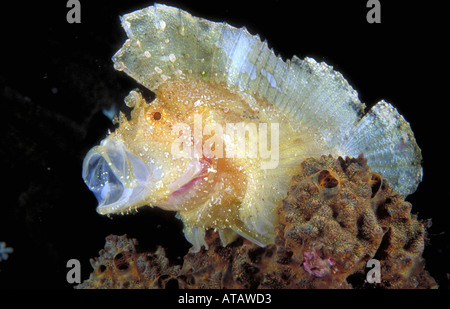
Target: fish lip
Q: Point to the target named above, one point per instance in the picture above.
(201, 168)
(120, 205)
(186, 187)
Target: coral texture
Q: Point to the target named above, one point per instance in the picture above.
(337, 216)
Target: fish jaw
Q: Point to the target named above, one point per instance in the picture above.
(193, 187)
(195, 173)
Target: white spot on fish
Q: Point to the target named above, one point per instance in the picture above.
(270, 78)
(162, 25)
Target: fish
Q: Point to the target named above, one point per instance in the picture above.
(229, 126)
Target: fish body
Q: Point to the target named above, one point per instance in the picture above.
(229, 126)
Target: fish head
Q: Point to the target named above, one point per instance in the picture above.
(150, 160)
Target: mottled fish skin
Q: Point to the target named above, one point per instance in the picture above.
(207, 75)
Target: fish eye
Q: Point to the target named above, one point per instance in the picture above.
(157, 116)
(153, 115)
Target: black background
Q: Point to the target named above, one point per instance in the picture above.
(56, 77)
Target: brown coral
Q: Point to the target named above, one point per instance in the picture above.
(337, 216)
(121, 266)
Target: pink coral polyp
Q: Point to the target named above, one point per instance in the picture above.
(316, 264)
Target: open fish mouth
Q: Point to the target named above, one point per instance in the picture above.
(117, 178)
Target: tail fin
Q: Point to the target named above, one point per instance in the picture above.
(387, 141)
